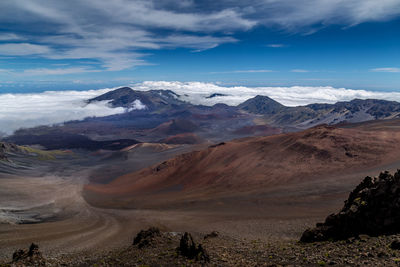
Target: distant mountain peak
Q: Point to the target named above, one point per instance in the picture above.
(126, 96)
(261, 105)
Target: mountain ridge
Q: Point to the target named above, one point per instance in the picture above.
(151, 116)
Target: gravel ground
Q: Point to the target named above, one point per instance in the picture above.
(228, 251)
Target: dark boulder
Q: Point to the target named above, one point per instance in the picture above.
(395, 244)
(32, 256)
(373, 208)
(146, 237)
(187, 247)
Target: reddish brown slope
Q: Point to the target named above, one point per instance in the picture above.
(257, 163)
(185, 138)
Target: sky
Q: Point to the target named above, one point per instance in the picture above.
(92, 44)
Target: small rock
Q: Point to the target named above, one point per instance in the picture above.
(382, 254)
(145, 237)
(213, 234)
(395, 244)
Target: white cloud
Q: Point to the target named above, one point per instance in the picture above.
(23, 49)
(243, 71)
(300, 70)
(58, 71)
(114, 33)
(10, 37)
(252, 71)
(144, 13)
(304, 15)
(291, 96)
(137, 105)
(276, 45)
(28, 110)
(199, 43)
(386, 70)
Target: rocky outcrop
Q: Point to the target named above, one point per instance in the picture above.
(372, 208)
(6, 148)
(187, 247)
(146, 238)
(30, 257)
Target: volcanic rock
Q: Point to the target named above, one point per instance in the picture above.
(29, 257)
(372, 208)
(146, 237)
(395, 244)
(188, 248)
(213, 234)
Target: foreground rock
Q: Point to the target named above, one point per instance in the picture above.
(187, 247)
(213, 234)
(147, 237)
(372, 208)
(32, 256)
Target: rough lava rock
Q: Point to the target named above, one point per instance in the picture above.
(373, 208)
(29, 257)
(145, 237)
(395, 244)
(187, 247)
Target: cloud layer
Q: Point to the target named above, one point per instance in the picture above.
(196, 93)
(115, 33)
(28, 110)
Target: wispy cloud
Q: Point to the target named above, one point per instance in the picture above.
(115, 33)
(10, 37)
(299, 70)
(23, 49)
(276, 45)
(58, 71)
(386, 70)
(242, 71)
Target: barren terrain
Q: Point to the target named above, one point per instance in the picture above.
(263, 188)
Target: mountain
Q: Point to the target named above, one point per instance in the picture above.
(128, 98)
(253, 165)
(271, 112)
(157, 115)
(262, 105)
(303, 117)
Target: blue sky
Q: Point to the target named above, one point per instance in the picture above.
(80, 45)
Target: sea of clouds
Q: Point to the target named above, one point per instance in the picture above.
(28, 110)
(196, 93)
